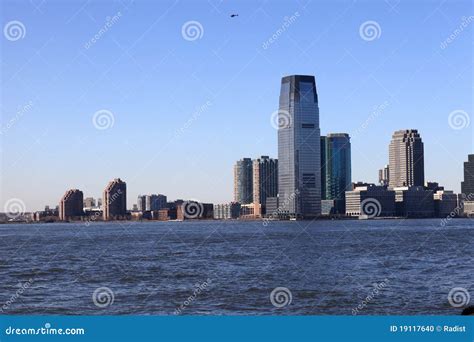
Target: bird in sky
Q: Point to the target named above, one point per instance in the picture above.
(234, 15)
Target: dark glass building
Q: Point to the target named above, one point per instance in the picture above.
(467, 186)
(299, 159)
(336, 168)
(265, 180)
(243, 181)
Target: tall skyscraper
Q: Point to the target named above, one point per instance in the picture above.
(243, 181)
(115, 200)
(71, 205)
(467, 186)
(299, 159)
(384, 176)
(336, 168)
(141, 203)
(265, 180)
(406, 159)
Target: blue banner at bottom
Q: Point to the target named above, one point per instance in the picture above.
(237, 328)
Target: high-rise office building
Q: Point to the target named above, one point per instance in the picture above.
(115, 200)
(467, 186)
(155, 202)
(243, 181)
(265, 180)
(384, 176)
(71, 205)
(141, 203)
(299, 159)
(336, 168)
(406, 159)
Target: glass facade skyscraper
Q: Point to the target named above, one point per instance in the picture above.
(243, 181)
(336, 168)
(299, 159)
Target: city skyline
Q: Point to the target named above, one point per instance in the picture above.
(160, 136)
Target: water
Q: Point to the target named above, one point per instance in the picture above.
(154, 268)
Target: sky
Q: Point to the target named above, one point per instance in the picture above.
(168, 95)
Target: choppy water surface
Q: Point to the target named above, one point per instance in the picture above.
(227, 268)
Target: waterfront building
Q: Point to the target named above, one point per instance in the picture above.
(406, 159)
(265, 181)
(384, 176)
(467, 186)
(141, 203)
(115, 200)
(243, 181)
(250, 211)
(445, 204)
(335, 170)
(227, 211)
(194, 210)
(299, 154)
(414, 202)
(89, 202)
(370, 201)
(71, 205)
(468, 208)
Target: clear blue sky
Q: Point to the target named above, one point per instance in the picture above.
(152, 80)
